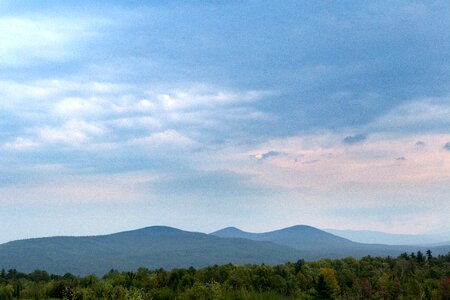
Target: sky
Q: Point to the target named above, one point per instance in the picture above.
(117, 115)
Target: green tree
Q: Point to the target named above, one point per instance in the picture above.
(444, 288)
(420, 258)
(324, 291)
(6, 292)
(429, 255)
(39, 276)
(331, 281)
(366, 288)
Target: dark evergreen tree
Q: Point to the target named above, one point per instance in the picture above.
(429, 255)
(2, 276)
(323, 290)
(367, 278)
(420, 258)
(298, 265)
(404, 255)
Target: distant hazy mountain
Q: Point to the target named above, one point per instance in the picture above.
(151, 247)
(324, 244)
(166, 247)
(376, 237)
(300, 237)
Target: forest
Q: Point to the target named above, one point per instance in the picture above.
(409, 276)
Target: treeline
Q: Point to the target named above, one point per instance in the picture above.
(409, 276)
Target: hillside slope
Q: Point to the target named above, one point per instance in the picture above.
(151, 247)
(376, 237)
(324, 244)
(166, 247)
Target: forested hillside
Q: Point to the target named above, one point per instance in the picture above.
(166, 247)
(409, 276)
(151, 247)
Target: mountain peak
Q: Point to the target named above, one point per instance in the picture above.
(168, 247)
(300, 227)
(152, 230)
(229, 229)
(233, 232)
(160, 228)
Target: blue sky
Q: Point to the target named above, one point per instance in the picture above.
(205, 114)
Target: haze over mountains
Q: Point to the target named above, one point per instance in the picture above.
(376, 237)
(151, 247)
(160, 246)
(320, 243)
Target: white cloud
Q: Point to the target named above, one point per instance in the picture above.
(27, 40)
(166, 137)
(322, 162)
(76, 112)
(145, 105)
(201, 96)
(72, 132)
(20, 144)
(58, 96)
(145, 122)
(78, 106)
(426, 113)
(77, 191)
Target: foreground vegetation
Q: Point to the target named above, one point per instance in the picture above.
(409, 276)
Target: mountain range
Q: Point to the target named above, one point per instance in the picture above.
(321, 244)
(166, 247)
(376, 237)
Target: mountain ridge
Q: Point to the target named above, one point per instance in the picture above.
(168, 247)
(151, 247)
(324, 244)
(373, 236)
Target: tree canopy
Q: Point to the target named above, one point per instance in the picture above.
(409, 276)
